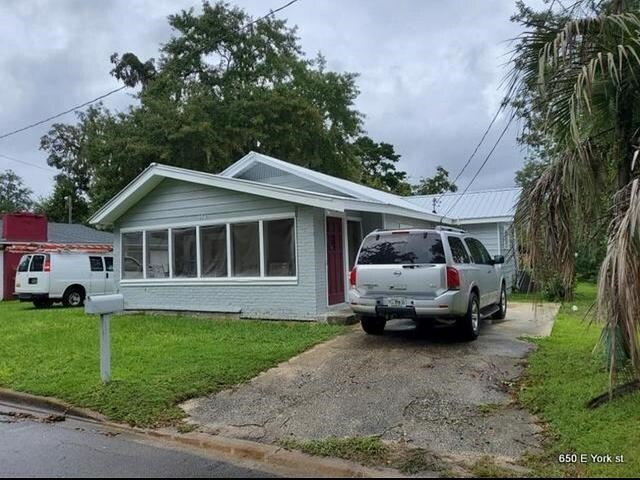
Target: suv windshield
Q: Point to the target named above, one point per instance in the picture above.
(403, 248)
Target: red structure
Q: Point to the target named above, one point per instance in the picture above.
(28, 232)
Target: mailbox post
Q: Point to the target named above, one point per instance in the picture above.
(104, 305)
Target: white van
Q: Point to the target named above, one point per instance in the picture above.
(45, 278)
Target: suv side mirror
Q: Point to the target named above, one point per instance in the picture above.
(498, 259)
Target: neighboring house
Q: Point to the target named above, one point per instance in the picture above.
(263, 239)
(487, 215)
(21, 233)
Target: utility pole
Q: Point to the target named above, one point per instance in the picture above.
(70, 206)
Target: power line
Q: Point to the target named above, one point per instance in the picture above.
(53, 117)
(495, 145)
(78, 107)
(29, 164)
(271, 13)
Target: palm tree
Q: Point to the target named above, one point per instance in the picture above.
(576, 84)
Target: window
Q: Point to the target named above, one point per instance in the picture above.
(37, 263)
(245, 249)
(184, 253)
(478, 252)
(402, 248)
(96, 264)
(213, 251)
(458, 252)
(132, 255)
(24, 264)
(354, 239)
(279, 248)
(108, 262)
(158, 254)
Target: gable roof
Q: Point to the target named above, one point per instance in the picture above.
(473, 207)
(346, 187)
(156, 173)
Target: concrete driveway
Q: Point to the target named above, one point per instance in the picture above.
(429, 390)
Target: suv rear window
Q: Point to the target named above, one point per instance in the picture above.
(402, 248)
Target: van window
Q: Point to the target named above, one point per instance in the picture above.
(24, 264)
(37, 263)
(402, 248)
(96, 264)
(108, 263)
(458, 252)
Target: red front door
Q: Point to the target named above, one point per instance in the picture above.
(335, 260)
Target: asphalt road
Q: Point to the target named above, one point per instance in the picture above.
(31, 448)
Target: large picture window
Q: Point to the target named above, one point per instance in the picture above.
(242, 251)
(184, 253)
(213, 251)
(131, 255)
(245, 249)
(280, 248)
(158, 254)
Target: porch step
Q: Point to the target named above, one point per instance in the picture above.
(341, 317)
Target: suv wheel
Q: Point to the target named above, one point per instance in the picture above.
(73, 297)
(469, 325)
(502, 305)
(373, 325)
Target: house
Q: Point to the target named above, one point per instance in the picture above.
(27, 232)
(263, 239)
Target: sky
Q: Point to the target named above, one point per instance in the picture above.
(430, 71)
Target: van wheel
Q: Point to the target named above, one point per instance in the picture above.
(42, 303)
(502, 305)
(373, 325)
(73, 297)
(469, 325)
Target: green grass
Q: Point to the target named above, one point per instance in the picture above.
(371, 451)
(157, 361)
(562, 375)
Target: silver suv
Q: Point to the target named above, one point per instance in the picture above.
(426, 274)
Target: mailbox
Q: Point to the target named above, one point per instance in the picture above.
(104, 303)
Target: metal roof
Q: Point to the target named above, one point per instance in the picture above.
(73, 233)
(479, 205)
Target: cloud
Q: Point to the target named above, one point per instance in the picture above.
(429, 71)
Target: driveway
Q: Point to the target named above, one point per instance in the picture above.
(429, 390)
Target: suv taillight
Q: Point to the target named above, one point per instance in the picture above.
(46, 266)
(353, 277)
(453, 278)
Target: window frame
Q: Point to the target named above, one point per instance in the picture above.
(261, 279)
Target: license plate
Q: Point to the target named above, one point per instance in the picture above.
(397, 302)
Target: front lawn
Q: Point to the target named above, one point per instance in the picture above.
(563, 374)
(157, 361)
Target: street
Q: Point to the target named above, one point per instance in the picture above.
(30, 447)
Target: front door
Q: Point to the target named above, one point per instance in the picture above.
(335, 260)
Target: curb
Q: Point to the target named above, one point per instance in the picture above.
(282, 461)
(49, 403)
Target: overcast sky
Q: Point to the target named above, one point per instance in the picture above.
(430, 70)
